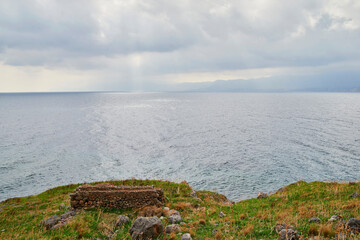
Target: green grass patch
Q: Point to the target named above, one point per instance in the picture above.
(250, 219)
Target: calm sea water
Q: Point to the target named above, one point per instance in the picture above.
(236, 143)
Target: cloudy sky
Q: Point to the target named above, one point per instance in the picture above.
(69, 45)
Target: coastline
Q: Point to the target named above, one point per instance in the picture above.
(253, 218)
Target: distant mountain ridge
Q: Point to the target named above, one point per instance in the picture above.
(333, 83)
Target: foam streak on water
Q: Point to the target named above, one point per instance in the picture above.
(237, 143)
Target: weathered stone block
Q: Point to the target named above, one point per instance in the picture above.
(109, 196)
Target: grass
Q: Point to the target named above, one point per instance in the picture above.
(249, 219)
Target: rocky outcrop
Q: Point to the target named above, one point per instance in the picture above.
(145, 228)
(288, 234)
(355, 195)
(109, 196)
(280, 226)
(314, 220)
(353, 224)
(55, 222)
(262, 195)
(172, 228)
(186, 236)
(334, 218)
(122, 220)
(50, 222)
(174, 217)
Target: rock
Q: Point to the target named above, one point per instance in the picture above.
(288, 234)
(174, 218)
(193, 194)
(145, 228)
(355, 195)
(280, 226)
(334, 218)
(172, 212)
(340, 225)
(186, 236)
(353, 224)
(166, 209)
(340, 236)
(172, 228)
(221, 214)
(62, 206)
(60, 224)
(50, 222)
(214, 231)
(122, 220)
(183, 224)
(68, 214)
(262, 195)
(314, 220)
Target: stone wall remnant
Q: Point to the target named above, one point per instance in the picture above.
(105, 195)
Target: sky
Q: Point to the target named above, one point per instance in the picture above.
(150, 45)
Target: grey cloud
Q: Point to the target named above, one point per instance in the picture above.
(178, 36)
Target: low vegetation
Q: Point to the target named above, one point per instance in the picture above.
(250, 219)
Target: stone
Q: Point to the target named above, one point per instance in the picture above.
(340, 225)
(62, 206)
(174, 218)
(145, 228)
(355, 195)
(172, 212)
(262, 195)
(60, 224)
(314, 220)
(172, 228)
(340, 236)
(183, 224)
(288, 234)
(186, 236)
(214, 231)
(353, 224)
(166, 209)
(50, 222)
(193, 194)
(334, 218)
(68, 214)
(280, 226)
(221, 214)
(122, 220)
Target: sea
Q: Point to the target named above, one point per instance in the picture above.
(237, 144)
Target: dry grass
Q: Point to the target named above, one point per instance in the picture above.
(150, 211)
(313, 230)
(326, 230)
(247, 229)
(242, 216)
(183, 205)
(202, 221)
(249, 219)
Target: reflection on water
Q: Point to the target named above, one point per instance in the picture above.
(237, 143)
